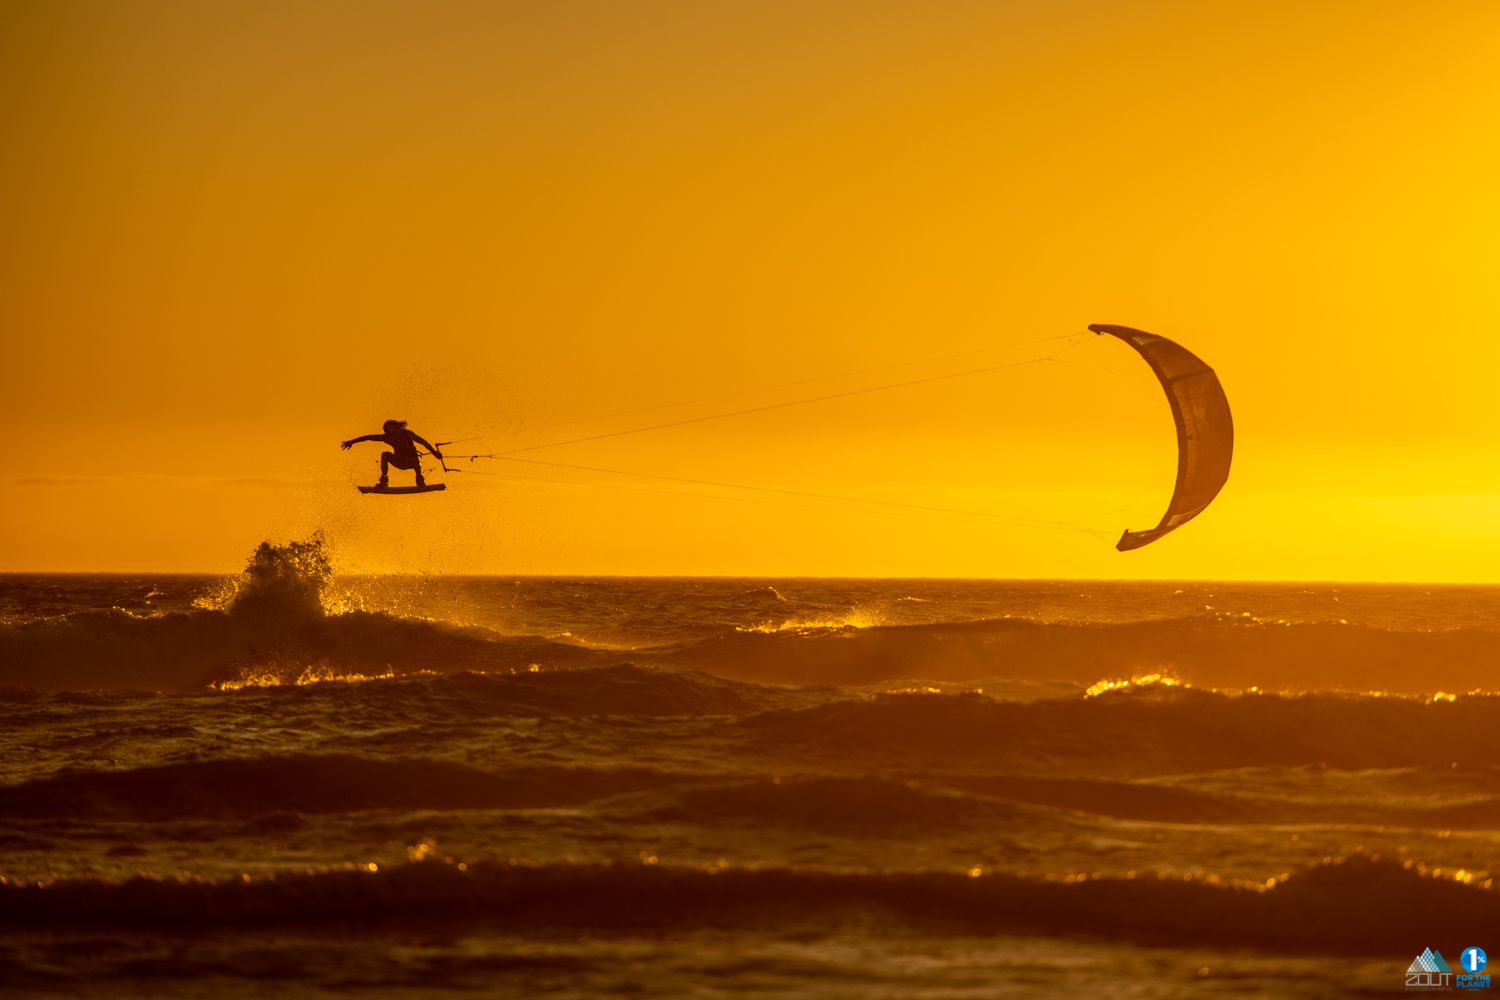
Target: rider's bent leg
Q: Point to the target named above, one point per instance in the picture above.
(389, 459)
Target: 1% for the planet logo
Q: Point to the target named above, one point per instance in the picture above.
(1473, 977)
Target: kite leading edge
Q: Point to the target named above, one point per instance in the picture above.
(1205, 431)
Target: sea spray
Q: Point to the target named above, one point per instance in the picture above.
(281, 585)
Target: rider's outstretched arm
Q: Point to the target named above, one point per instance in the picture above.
(368, 437)
(417, 438)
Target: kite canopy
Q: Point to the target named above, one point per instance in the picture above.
(1205, 431)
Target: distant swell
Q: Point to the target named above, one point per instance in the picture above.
(1207, 651)
(234, 790)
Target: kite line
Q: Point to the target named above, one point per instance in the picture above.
(883, 506)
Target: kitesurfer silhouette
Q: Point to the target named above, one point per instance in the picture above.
(404, 455)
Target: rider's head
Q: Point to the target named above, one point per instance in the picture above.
(394, 425)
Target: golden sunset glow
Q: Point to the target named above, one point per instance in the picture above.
(240, 233)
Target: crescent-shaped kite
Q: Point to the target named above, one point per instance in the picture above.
(1205, 430)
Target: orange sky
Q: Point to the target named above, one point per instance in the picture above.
(238, 233)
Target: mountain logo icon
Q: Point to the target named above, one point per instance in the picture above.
(1428, 971)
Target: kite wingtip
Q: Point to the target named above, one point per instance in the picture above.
(1121, 331)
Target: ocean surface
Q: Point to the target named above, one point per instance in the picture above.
(293, 783)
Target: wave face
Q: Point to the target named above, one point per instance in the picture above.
(185, 651)
(563, 738)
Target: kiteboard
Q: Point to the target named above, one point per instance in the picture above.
(429, 488)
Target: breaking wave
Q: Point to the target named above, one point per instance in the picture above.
(277, 622)
(1353, 905)
(280, 584)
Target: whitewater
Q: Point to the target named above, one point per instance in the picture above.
(833, 787)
